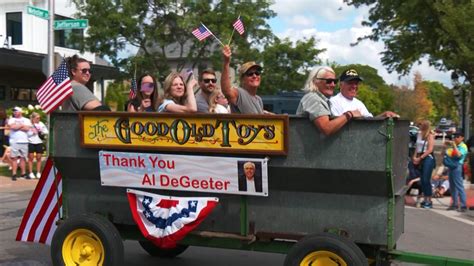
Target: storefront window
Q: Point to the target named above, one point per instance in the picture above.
(23, 94)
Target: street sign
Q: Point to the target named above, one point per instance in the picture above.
(38, 12)
(68, 24)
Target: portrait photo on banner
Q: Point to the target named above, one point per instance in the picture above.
(250, 176)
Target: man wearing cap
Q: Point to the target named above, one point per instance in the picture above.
(19, 127)
(346, 99)
(315, 103)
(207, 84)
(245, 99)
(459, 153)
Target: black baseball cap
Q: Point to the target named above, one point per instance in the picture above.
(457, 134)
(350, 74)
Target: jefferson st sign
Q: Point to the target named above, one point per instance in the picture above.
(38, 12)
(71, 24)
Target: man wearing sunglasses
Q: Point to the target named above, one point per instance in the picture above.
(346, 99)
(315, 103)
(207, 84)
(243, 100)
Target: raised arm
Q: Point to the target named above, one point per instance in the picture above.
(230, 92)
(190, 106)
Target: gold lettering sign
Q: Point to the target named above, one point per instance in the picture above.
(249, 134)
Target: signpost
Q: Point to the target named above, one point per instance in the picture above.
(68, 24)
(38, 12)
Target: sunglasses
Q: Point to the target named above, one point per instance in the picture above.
(85, 70)
(147, 86)
(250, 74)
(210, 81)
(329, 81)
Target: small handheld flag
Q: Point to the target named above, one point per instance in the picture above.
(201, 33)
(133, 89)
(239, 26)
(55, 90)
(166, 220)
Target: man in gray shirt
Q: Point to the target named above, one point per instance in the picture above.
(244, 100)
(207, 84)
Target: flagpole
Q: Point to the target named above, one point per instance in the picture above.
(233, 30)
(212, 34)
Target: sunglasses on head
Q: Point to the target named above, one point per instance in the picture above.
(251, 73)
(209, 80)
(329, 81)
(85, 70)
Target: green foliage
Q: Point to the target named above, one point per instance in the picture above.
(117, 96)
(286, 65)
(440, 31)
(161, 30)
(443, 101)
(28, 110)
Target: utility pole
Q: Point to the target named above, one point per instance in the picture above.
(51, 38)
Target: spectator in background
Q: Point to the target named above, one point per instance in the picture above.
(207, 85)
(147, 99)
(19, 126)
(6, 157)
(440, 182)
(315, 103)
(36, 135)
(346, 99)
(424, 158)
(178, 98)
(457, 151)
(218, 103)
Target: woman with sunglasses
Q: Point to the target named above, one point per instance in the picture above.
(83, 98)
(147, 99)
(178, 98)
(218, 103)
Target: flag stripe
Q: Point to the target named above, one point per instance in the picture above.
(239, 26)
(34, 198)
(39, 221)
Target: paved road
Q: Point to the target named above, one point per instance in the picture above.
(427, 231)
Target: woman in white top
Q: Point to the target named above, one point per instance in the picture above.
(218, 103)
(178, 98)
(36, 135)
(423, 158)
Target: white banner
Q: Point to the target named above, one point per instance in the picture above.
(226, 175)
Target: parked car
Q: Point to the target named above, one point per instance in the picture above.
(447, 129)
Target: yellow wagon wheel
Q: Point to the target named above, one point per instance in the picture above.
(325, 250)
(83, 247)
(323, 258)
(86, 240)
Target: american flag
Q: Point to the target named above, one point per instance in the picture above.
(39, 221)
(133, 89)
(201, 33)
(239, 26)
(55, 89)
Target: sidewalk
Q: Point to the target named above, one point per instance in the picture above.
(442, 204)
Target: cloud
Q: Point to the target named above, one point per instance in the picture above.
(338, 42)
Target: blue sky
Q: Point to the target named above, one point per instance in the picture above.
(336, 26)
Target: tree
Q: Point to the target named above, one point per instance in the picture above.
(441, 31)
(443, 101)
(116, 97)
(286, 65)
(414, 104)
(159, 28)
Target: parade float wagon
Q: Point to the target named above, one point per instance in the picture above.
(335, 200)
